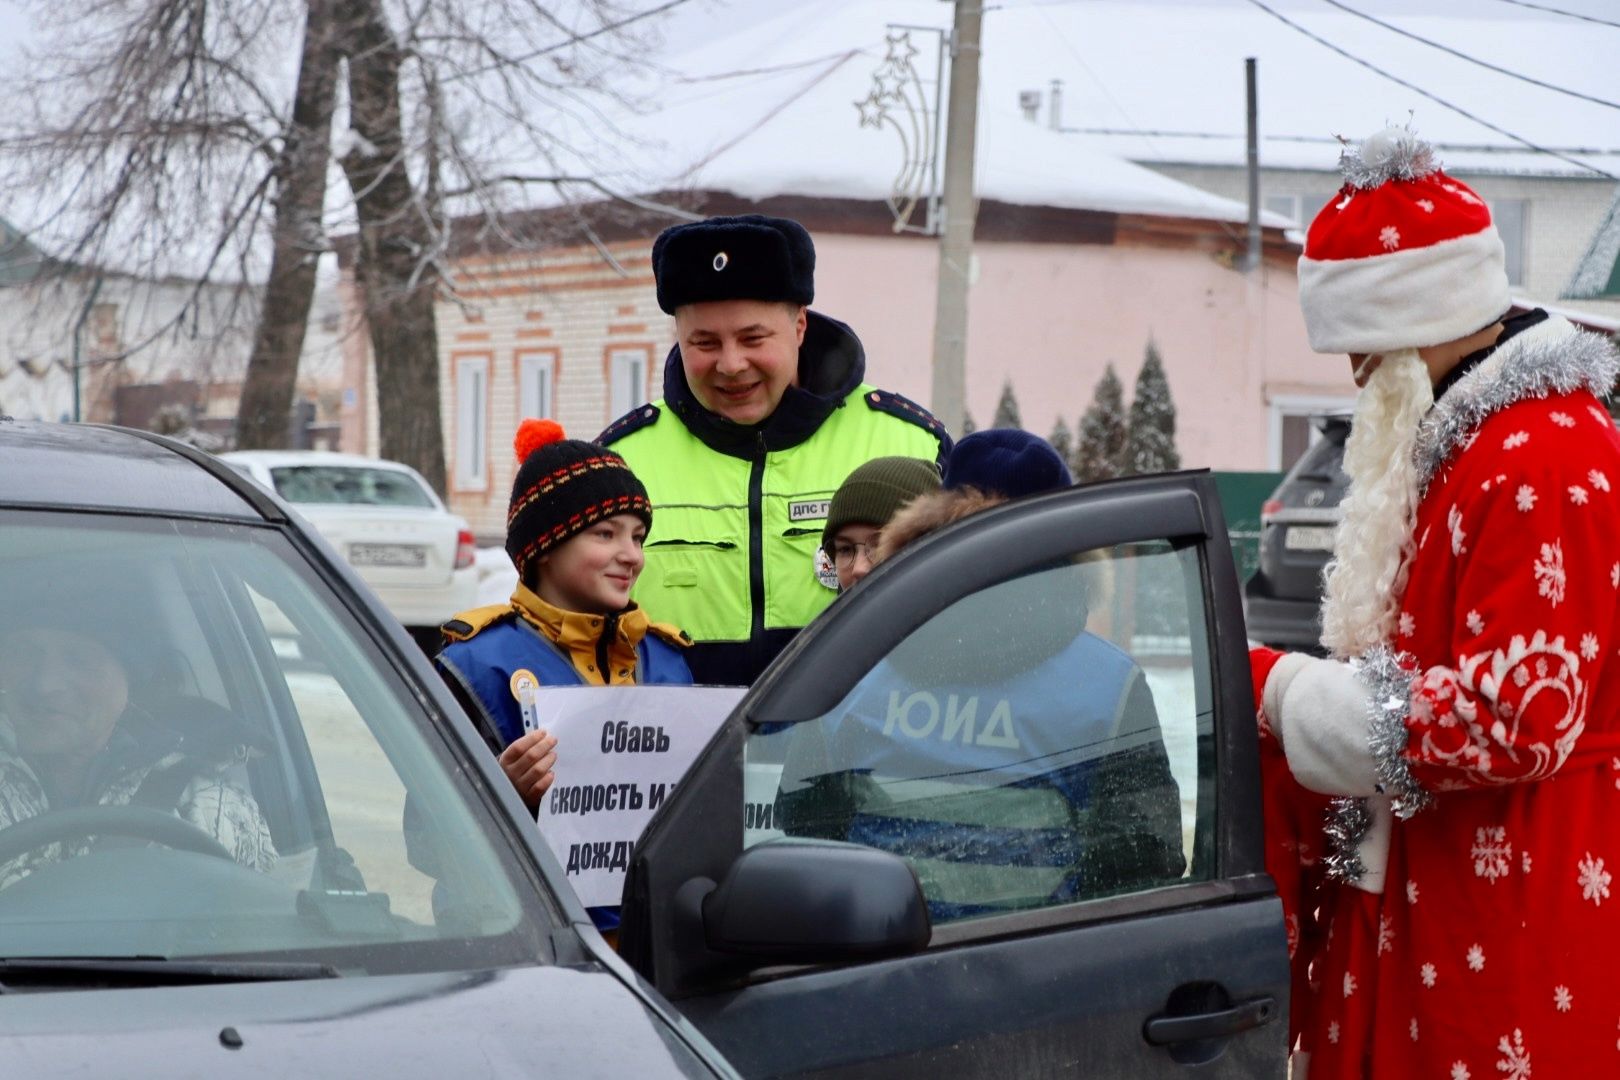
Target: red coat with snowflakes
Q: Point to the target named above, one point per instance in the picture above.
(1494, 949)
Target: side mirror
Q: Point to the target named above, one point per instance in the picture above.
(816, 901)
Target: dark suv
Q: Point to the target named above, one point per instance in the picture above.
(1283, 598)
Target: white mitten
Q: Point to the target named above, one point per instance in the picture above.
(1320, 712)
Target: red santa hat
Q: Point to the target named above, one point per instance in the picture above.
(1403, 256)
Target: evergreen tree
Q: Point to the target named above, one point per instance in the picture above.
(1062, 442)
(1007, 409)
(1101, 452)
(1151, 444)
(968, 426)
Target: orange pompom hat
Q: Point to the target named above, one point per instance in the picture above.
(532, 434)
(563, 487)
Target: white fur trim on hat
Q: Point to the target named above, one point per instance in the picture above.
(1405, 299)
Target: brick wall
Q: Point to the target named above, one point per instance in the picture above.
(570, 305)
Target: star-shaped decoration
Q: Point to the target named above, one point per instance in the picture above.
(871, 110)
(889, 85)
(900, 48)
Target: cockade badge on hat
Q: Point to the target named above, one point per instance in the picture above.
(721, 261)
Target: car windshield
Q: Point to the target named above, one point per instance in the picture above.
(356, 484)
(203, 755)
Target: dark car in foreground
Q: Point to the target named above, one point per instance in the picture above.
(132, 943)
(989, 922)
(1283, 598)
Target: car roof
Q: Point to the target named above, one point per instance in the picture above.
(88, 466)
(272, 459)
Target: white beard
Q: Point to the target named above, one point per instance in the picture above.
(1373, 545)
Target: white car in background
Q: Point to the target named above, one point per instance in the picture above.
(382, 517)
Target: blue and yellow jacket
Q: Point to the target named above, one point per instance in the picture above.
(489, 647)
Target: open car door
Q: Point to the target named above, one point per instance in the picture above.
(1015, 826)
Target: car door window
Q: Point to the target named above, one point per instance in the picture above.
(1042, 741)
(261, 780)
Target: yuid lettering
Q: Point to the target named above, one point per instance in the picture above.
(1007, 739)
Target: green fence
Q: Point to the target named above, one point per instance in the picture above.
(1241, 495)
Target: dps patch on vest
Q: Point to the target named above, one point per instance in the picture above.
(808, 509)
(826, 572)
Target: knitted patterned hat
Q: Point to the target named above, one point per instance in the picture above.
(1006, 461)
(1403, 257)
(875, 492)
(563, 487)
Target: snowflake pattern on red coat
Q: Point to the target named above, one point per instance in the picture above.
(1504, 962)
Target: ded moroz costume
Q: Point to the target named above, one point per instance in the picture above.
(1468, 722)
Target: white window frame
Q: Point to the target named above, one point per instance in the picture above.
(1297, 405)
(627, 380)
(537, 385)
(472, 423)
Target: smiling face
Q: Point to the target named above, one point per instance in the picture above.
(64, 692)
(740, 356)
(594, 570)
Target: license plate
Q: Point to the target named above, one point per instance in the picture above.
(405, 555)
(1309, 538)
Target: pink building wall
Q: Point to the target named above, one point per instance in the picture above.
(1051, 316)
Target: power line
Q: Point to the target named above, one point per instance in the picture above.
(1348, 10)
(576, 39)
(1473, 148)
(1458, 109)
(1561, 11)
(606, 29)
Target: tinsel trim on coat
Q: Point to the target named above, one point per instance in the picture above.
(1552, 357)
(1388, 678)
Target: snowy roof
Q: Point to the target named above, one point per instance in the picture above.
(790, 126)
(1148, 70)
(759, 99)
(1163, 78)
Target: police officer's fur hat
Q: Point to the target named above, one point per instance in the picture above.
(749, 257)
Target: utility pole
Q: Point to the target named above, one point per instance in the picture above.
(960, 206)
(1251, 259)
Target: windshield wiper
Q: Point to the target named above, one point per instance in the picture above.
(84, 972)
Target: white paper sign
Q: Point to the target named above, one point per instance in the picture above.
(621, 750)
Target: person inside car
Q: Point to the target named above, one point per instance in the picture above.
(863, 504)
(70, 736)
(575, 527)
(1079, 798)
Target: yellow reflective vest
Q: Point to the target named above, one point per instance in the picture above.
(732, 556)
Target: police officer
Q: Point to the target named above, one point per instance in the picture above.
(764, 414)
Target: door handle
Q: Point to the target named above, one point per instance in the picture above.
(1166, 1029)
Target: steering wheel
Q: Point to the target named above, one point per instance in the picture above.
(140, 822)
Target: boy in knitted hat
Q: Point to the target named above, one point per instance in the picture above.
(1469, 713)
(574, 529)
(862, 505)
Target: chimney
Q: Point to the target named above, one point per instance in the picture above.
(1030, 102)
(1054, 115)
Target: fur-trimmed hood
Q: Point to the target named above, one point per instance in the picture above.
(925, 513)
